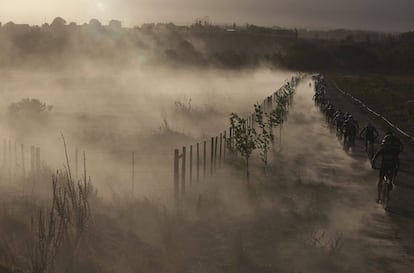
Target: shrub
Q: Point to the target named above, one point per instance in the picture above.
(245, 138)
(29, 107)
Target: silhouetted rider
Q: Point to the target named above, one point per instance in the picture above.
(369, 133)
(393, 141)
(350, 130)
(339, 119)
(391, 147)
(329, 112)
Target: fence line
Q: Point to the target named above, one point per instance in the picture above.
(21, 163)
(221, 146)
(27, 162)
(14, 160)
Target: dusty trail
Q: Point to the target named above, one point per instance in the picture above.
(401, 208)
(385, 241)
(317, 210)
(373, 239)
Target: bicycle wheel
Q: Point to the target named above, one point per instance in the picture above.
(384, 193)
(347, 144)
(370, 150)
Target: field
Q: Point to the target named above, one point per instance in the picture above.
(167, 148)
(111, 113)
(390, 95)
(312, 210)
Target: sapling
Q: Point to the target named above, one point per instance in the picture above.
(244, 138)
(264, 137)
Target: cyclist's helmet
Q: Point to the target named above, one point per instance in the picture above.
(387, 140)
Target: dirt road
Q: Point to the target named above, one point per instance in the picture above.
(317, 210)
(313, 210)
(390, 233)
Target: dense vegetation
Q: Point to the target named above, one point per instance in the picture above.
(390, 95)
(205, 44)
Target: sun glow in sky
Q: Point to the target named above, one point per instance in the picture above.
(385, 15)
(101, 6)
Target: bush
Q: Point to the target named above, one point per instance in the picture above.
(29, 107)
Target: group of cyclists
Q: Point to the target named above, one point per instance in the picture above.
(346, 125)
(347, 129)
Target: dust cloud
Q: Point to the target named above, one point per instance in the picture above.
(111, 112)
(305, 212)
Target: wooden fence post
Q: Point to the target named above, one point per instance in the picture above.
(9, 165)
(198, 161)
(225, 145)
(176, 172)
(133, 175)
(215, 154)
(23, 161)
(212, 156)
(205, 158)
(191, 166)
(32, 155)
(221, 147)
(38, 160)
(16, 165)
(183, 163)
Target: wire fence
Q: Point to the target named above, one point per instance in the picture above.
(196, 161)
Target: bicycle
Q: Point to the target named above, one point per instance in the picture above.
(349, 141)
(370, 149)
(369, 141)
(339, 130)
(386, 187)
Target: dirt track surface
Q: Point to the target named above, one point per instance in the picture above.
(400, 215)
(318, 202)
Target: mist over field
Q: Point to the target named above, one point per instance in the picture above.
(91, 115)
(111, 112)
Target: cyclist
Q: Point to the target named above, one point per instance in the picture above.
(390, 161)
(339, 119)
(393, 141)
(329, 112)
(370, 134)
(316, 97)
(350, 130)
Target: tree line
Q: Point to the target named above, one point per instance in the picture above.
(205, 44)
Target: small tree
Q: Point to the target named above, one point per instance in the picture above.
(29, 107)
(244, 138)
(273, 120)
(278, 115)
(264, 138)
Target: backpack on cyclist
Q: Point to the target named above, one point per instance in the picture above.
(392, 142)
(370, 131)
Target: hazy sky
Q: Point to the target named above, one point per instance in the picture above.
(388, 15)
